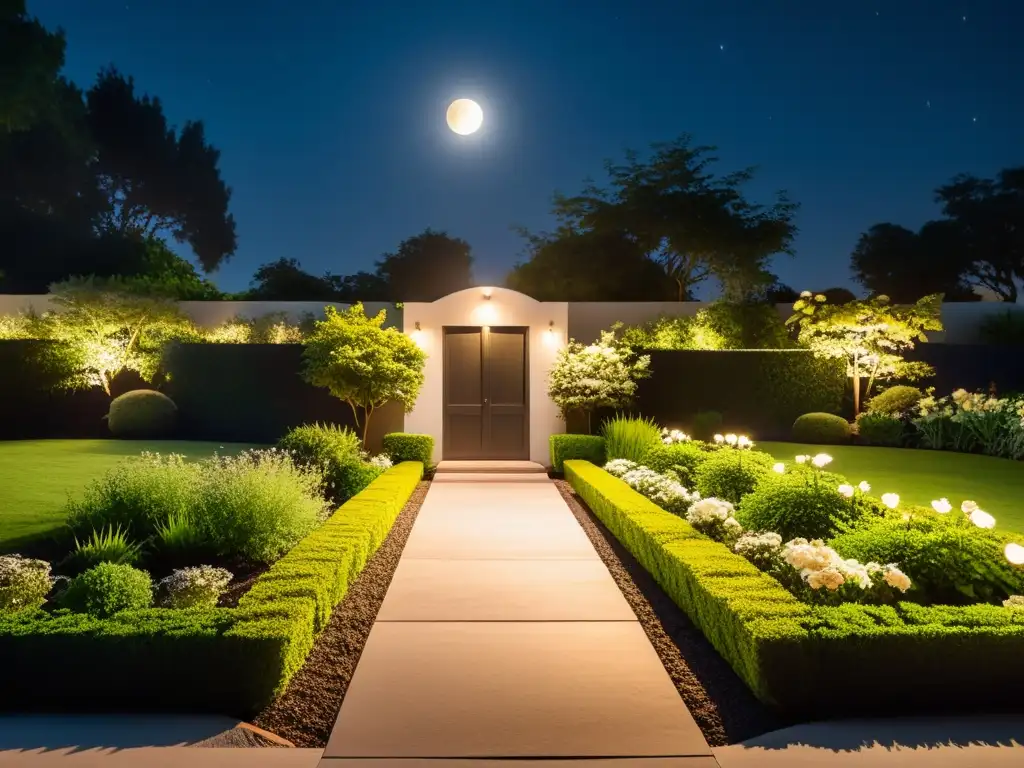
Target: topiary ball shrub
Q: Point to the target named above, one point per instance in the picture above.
(142, 413)
(895, 401)
(949, 559)
(824, 428)
(680, 458)
(880, 429)
(566, 447)
(107, 589)
(336, 453)
(799, 505)
(730, 473)
(401, 446)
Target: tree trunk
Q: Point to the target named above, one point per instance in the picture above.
(368, 411)
(856, 387)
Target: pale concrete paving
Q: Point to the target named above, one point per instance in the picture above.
(504, 636)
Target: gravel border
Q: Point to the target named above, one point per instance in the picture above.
(305, 713)
(724, 708)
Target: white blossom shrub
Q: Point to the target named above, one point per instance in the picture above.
(714, 518)
(199, 587)
(1014, 601)
(619, 467)
(824, 571)
(663, 490)
(382, 461)
(764, 549)
(24, 582)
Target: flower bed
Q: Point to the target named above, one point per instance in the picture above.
(871, 658)
(228, 660)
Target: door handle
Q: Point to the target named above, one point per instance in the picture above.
(485, 401)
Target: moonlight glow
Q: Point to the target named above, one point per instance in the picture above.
(464, 116)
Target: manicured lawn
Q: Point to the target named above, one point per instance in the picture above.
(920, 476)
(36, 477)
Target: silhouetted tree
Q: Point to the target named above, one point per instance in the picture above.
(693, 224)
(31, 58)
(362, 286)
(838, 295)
(285, 280)
(426, 267)
(779, 293)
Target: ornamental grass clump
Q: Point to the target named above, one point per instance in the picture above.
(629, 437)
(107, 545)
(24, 583)
(199, 587)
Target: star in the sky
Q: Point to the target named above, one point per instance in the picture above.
(974, 119)
(721, 47)
(928, 103)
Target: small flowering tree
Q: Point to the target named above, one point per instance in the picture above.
(600, 375)
(871, 335)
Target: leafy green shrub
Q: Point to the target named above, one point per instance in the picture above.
(948, 558)
(109, 588)
(797, 506)
(258, 504)
(731, 473)
(825, 428)
(680, 458)
(142, 413)
(107, 545)
(706, 424)
(137, 496)
(180, 534)
(199, 587)
(721, 325)
(588, 447)
(401, 446)
(333, 451)
(24, 583)
(629, 437)
(895, 401)
(877, 428)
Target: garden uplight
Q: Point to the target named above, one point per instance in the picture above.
(779, 467)
(731, 439)
(982, 519)
(891, 500)
(821, 460)
(1014, 553)
(968, 507)
(846, 490)
(942, 506)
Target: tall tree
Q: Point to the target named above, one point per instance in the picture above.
(695, 225)
(31, 58)
(588, 266)
(426, 267)
(990, 216)
(153, 178)
(362, 286)
(904, 265)
(285, 280)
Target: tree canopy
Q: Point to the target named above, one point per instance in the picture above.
(426, 267)
(696, 226)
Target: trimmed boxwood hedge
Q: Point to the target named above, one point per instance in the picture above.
(786, 651)
(227, 660)
(563, 447)
(405, 446)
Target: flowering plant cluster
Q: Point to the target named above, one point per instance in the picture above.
(663, 489)
(673, 436)
(199, 587)
(762, 549)
(714, 518)
(1014, 601)
(821, 567)
(972, 421)
(734, 441)
(382, 461)
(24, 582)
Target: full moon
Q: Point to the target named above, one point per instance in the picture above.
(464, 116)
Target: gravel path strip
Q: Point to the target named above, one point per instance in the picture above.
(305, 713)
(719, 701)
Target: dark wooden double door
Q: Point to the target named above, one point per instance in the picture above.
(486, 393)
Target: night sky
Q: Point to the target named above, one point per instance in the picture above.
(330, 113)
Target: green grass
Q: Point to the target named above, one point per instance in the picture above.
(37, 476)
(920, 476)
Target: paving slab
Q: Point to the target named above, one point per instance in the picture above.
(512, 689)
(503, 590)
(615, 762)
(162, 757)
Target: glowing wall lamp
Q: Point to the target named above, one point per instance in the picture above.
(550, 337)
(418, 336)
(486, 314)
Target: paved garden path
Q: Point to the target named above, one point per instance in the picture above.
(503, 636)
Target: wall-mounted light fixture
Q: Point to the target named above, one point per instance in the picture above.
(417, 335)
(418, 326)
(550, 337)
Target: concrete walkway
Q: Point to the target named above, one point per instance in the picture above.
(504, 636)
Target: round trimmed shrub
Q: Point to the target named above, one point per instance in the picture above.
(681, 458)
(401, 446)
(878, 428)
(799, 505)
(142, 413)
(731, 473)
(107, 589)
(824, 428)
(895, 401)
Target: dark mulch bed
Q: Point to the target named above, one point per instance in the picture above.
(305, 713)
(719, 701)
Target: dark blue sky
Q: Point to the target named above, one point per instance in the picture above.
(330, 113)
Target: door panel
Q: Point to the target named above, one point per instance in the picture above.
(486, 400)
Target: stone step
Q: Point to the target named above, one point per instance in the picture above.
(491, 467)
(491, 477)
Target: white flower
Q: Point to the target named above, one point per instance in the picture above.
(1014, 601)
(802, 459)
(731, 439)
(821, 460)
(942, 506)
(779, 467)
(864, 486)
(619, 467)
(829, 577)
(810, 556)
(706, 509)
(896, 578)
(982, 519)
(891, 500)
(805, 294)
(1014, 553)
(382, 460)
(719, 439)
(846, 490)
(744, 442)
(968, 506)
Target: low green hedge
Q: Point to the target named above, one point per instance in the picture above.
(788, 652)
(564, 447)
(224, 660)
(402, 446)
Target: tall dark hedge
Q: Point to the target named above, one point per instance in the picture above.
(758, 391)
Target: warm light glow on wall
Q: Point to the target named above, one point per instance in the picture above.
(550, 336)
(485, 314)
(418, 336)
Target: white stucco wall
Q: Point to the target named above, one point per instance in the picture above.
(504, 308)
